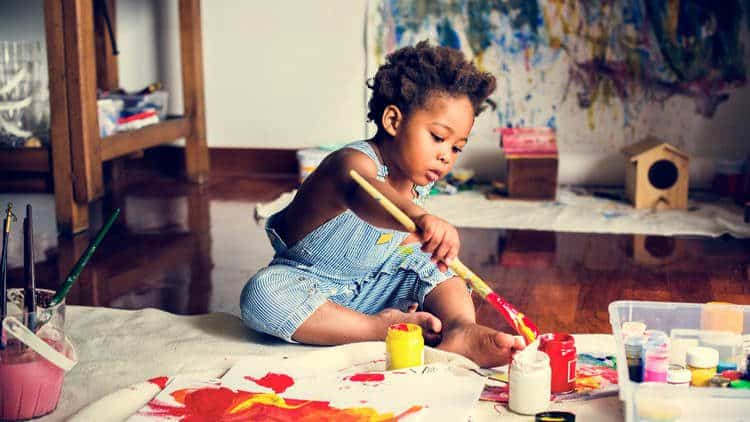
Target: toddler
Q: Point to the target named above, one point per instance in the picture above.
(344, 270)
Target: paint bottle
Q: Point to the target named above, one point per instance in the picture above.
(722, 316)
(702, 363)
(561, 349)
(678, 375)
(404, 346)
(634, 355)
(530, 379)
(655, 361)
(729, 346)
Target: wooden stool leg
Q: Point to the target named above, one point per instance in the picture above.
(191, 51)
(72, 216)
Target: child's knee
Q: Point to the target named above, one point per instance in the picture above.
(278, 299)
(257, 300)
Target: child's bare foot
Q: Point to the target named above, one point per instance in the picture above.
(430, 324)
(485, 346)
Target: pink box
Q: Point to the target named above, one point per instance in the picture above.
(528, 140)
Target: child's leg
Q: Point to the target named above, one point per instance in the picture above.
(289, 303)
(333, 324)
(451, 302)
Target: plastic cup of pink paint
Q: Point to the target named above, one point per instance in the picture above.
(30, 383)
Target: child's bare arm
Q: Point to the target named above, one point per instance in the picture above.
(438, 236)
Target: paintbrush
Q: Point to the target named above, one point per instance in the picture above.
(29, 295)
(83, 260)
(9, 218)
(521, 323)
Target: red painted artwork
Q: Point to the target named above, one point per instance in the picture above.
(366, 377)
(160, 381)
(220, 404)
(276, 382)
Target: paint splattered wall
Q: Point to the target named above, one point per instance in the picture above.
(603, 73)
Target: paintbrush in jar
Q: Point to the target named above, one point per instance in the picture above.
(9, 218)
(29, 294)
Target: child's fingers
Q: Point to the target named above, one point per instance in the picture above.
(519, 343)
(433, 243)
(442, 267)
(443, 251)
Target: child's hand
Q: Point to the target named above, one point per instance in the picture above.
(440, 239)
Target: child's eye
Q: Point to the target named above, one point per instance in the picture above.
(436, 138)
(457, 150)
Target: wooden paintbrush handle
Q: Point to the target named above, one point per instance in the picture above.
(457, 266)
(386, 203)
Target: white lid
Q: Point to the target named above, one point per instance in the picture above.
(702, 357)
(678, 375)
(633, 327)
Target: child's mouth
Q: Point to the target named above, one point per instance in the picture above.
(432, 175)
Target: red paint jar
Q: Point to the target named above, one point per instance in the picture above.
(561, 349)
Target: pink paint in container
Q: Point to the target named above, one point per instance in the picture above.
(33, 363)
(655, 360)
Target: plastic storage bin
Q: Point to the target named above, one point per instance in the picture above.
(664, 402)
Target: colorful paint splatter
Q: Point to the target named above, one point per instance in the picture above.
(217, 404)
(617, 60)
(595, 377)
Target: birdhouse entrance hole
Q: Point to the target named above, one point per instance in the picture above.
(663, 174)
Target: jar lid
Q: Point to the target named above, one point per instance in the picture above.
(656, 336)
(404, 329)
(744, 384)
(556, 339)
(635, 340)
(676, 374)
(633, 327)
(702, 357)
(719, 381)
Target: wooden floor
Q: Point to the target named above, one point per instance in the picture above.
(189, 249)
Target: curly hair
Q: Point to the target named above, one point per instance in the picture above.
(411, 74)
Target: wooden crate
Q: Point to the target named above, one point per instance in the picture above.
(532, 177)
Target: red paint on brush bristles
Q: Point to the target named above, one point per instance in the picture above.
(521, 323)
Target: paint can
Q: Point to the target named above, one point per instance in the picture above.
(529, 383)
(561, 349)
(404, 346)
(702, 363)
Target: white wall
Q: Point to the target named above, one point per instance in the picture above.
(289, 74)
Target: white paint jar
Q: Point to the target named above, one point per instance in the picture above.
(530, 383)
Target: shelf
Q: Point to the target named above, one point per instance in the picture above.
(32, 160)
(125, 143)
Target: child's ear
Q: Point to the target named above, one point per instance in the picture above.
(392, 118)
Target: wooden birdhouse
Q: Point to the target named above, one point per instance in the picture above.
(656, 175)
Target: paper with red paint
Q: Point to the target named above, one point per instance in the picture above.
(265, 387)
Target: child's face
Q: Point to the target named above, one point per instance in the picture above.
(430, 138)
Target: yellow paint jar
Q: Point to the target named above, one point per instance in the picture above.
(702, 361)
(404, 346)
